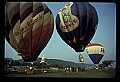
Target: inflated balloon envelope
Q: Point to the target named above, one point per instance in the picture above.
(28, 28)
(95, 51)
(76, 23)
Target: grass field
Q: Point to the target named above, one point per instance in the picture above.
(104, 73)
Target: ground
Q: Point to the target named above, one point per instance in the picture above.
(100, 73)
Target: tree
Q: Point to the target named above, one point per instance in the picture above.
(16, 63)
(107, 62)
(101, 66)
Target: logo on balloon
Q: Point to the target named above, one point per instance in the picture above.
(32, 21)
(29, 25)
(68, 22)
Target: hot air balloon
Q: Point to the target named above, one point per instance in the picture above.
(28, 28)
(96, 52)
(81, 58)
(76, 23)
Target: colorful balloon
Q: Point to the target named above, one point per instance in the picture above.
(95, 51)
(76, 23)
(81, 59)
(28, 27)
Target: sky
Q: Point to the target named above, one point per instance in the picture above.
(58, 49)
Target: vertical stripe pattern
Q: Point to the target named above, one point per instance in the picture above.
(29, 27)
(76, 23)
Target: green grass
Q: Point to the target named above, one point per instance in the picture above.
(109, 73)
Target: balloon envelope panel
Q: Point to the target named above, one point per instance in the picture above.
(95, 58)
(29, 27)
(76, 23)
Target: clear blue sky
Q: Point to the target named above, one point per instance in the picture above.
(58, 49)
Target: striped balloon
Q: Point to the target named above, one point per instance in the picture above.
(95, 52)
(28, 27)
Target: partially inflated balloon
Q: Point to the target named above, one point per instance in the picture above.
(76, 23)
(28, 27)
(95, 51)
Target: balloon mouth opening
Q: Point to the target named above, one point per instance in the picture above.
(29, 58)
(79, 48)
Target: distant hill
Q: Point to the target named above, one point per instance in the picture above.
(63, 62)
(56, 61)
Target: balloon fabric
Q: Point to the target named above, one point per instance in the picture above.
(28, 28)
(76, 23)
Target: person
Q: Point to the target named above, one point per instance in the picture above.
(77, 70)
